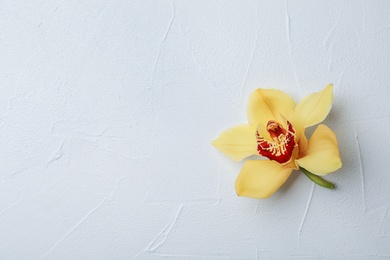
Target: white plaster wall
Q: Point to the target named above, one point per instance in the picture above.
(108, 108)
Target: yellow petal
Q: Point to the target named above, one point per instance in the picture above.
(322, 153)
(302, 142)
(237, 142)
(260, 179)
(268, 104)
(314, 108)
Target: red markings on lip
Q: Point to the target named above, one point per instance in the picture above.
(282, 146)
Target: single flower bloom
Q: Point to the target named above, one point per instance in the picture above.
(276, 130)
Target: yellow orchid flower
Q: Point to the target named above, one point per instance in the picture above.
(276, 130)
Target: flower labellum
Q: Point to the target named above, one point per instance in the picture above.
(276, 130)
(281, 148)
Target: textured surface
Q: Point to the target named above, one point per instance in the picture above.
(108, 108)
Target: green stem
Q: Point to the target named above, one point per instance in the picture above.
(317, 179)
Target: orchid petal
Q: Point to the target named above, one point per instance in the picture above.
(260, 179)
(322, 154)
(268, 104)
(302, 142)
(237, 142)
(314, 108)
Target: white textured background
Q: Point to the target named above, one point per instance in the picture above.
(108, 109)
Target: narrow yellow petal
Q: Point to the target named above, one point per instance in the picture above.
(314, 108)
(302, 142)
(269, 104)
(260, 179)
(237, 142)
(322, 153)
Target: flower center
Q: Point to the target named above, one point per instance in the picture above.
(282, 146)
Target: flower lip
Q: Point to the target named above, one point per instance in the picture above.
(275, 130)
(282, 146)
